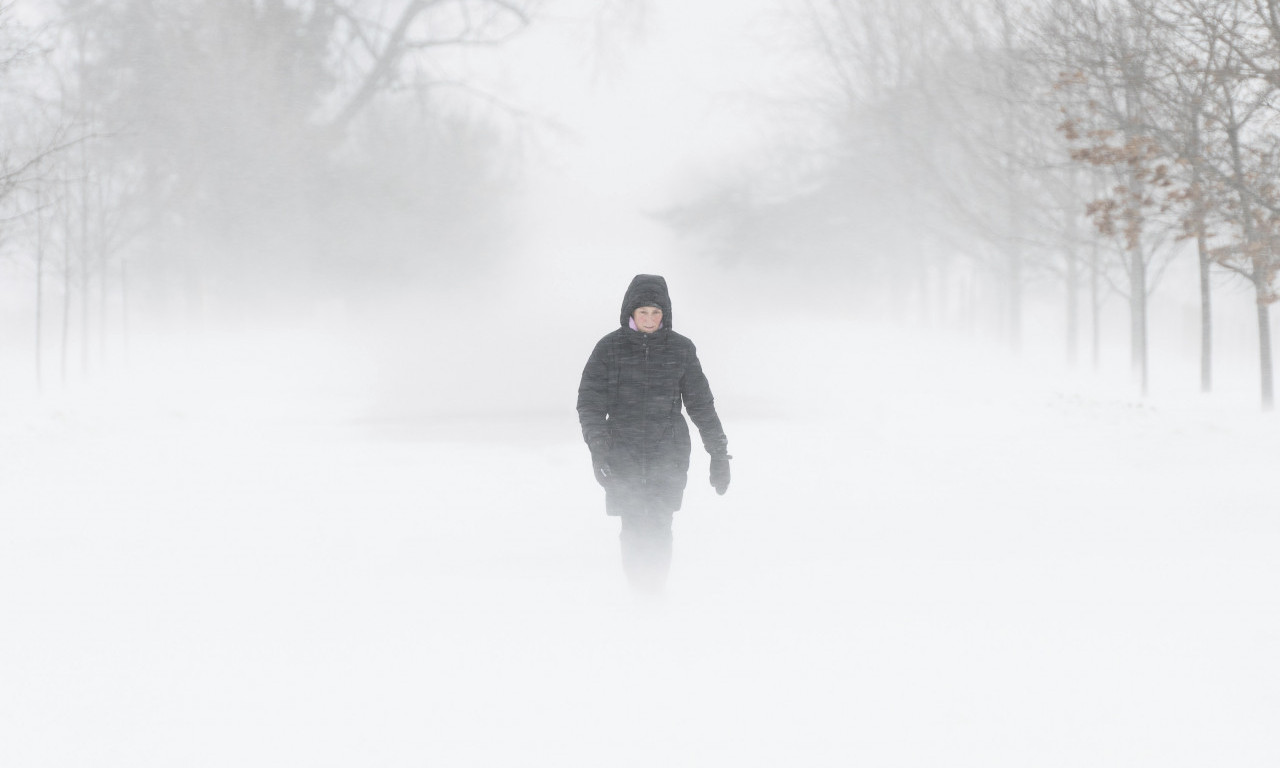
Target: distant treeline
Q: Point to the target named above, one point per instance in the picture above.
(202, 151)
(1083, 141)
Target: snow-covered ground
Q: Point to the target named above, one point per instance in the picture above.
(927, 558)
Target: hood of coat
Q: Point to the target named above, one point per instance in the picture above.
(644, 291)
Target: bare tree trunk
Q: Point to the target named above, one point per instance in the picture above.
(85, 274)
(66, 297)
(1259, 272)
(1264, 346)
(1206, 317)
(39, 292)
(124, 312)
(103, 287)
(1073, 291)
(1138, 317)
(1202, 250)
(84, 308)
(1015, 299)
(1134, 78)
(1095, 305)
(924, 281)
(1011, 182)
(1073, 310)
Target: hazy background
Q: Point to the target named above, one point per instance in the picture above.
(295, 296)
(194, 177)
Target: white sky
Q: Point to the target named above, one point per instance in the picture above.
(648, 105)
(649, 109)
(652, 106)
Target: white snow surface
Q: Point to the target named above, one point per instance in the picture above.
(929, 556)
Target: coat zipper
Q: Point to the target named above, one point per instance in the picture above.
(644, 453)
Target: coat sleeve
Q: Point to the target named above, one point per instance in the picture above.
(698, 401)
(593, 399)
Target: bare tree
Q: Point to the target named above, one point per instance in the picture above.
(380, 51)
(230, 122)
(1115, 45)
(875, 98)
(1180, 92)
(33, 143)
(1243, 111)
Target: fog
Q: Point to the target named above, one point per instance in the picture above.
(291, 472)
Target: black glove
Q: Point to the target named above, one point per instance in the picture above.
(600, 467)
(720, 472)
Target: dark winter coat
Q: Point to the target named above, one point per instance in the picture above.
(629, 406)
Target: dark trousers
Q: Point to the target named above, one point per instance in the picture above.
(646, 548)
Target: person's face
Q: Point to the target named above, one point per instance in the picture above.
(647, 319)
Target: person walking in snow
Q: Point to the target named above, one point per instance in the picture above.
(629, 403)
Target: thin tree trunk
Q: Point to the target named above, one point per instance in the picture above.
(1095, 306)
(85, 274)
(85, 263)
(1134, 77)
(1073, 310)
(39, 293)
(1015, 299)
(1206, 316)
(124, 312)
(1011, 184)
(1259, 269)
(102, 309)
(1138, 317)
(84, 313)
(1202, 250)
(1073, 292)
(1264, 347)
(102, 294)
(66, 297)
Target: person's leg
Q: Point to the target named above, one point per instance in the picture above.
(646, 548)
